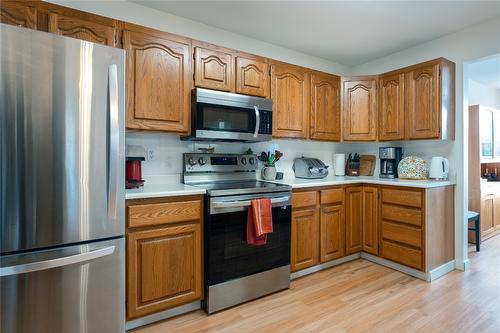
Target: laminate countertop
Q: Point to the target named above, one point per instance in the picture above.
(162, 190)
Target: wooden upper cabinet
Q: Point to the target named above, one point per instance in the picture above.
(325, 107)
(158, 81)
(213, 69)
(423, 102)
(360, 108)
(252, 76)
(291, 103)
(353, 219)
(391, 107)
(370, 219)
(19, 14)
(81, 28)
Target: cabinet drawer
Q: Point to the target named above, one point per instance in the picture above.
(333, 195)
(161, 213)
(304, 199)
(402, 197)
(402, 214)
(402, 254)
(402, 233)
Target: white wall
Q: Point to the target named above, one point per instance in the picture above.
(483, 95)
(462, 47)
(148, 17)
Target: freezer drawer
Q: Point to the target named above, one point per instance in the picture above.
(77, 289)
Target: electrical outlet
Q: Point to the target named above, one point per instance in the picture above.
(151, 154)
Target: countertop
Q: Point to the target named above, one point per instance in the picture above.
(162, 190)
(178, 189)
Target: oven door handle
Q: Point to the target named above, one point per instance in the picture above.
(257, 121)
(246, 203)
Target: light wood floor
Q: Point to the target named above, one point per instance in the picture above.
(364, 297)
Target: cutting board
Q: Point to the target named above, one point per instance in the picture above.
(367, 165)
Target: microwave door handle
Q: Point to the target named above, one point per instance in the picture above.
(114, 140)
(257, 121)
(246, 203)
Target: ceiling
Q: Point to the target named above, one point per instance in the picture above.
(486, 71)
(346, 32)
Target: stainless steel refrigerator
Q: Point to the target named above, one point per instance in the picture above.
(62, 184)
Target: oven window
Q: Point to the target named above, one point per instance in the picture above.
(228, 119)
(228, 256)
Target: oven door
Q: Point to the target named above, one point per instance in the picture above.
(227, 254)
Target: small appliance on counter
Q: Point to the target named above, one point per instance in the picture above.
(133, 167)
(413, 167)
(389, 161)
(352, 165)
(439, 169)
(309, 168)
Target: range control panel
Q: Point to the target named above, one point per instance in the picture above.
(219, 163)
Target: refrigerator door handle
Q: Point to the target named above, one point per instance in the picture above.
(56, 262)
(114, 140)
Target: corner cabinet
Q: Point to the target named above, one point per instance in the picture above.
(391, 107)
(325, 107)
(359, 108)
(290, 94)
(158, 81)
(164, 254)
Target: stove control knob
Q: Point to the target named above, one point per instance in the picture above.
(202, 161)
(244, 160)
(191, 161)
(251, 160)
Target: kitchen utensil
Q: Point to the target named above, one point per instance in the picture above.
(413, 167)
(367, 165)
(439, 168)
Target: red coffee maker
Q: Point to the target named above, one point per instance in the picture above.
(133, 172)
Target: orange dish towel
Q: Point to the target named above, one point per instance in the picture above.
(259, 221)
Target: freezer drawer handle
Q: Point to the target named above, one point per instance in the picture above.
(57, 262)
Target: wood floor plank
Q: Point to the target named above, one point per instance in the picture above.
(361, 296)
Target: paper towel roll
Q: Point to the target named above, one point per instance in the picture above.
(339, 164)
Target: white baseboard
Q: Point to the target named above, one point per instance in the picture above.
(326, 265)
(440, 271)
(393, 265)
(129, 325)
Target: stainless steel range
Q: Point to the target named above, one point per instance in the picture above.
(236, 272)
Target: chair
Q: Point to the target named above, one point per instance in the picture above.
(474, 217)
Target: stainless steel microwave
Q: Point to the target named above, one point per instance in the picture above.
(222, 116)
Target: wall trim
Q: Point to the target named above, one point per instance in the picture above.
(320, 267)
(393, 265)
(129, 325)
(440, 271)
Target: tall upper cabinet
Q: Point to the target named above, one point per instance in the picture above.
(391, 107)
(359, 108)
(158, 80)
(325, 107)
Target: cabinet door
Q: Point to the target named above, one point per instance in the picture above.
(332, 232)
(391, 107)
(213, 69)
(353, 219)
(252, 77)
(422, 96)
(80, 28)
(487, 214)
(496, 212)
(158, 82)
(360, 109)
(17, 13)
(370, 219)
(304, 238)
(325, 107)
(291, 104)
(164, 269)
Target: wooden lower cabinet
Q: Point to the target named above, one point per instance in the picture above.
(353, 219)
(164, 261)
(304, 241)
(332, 231)
(370, 219)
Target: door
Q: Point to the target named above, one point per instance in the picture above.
(487, 214)
(353, 219)
(62, 139)
(325, 107)
(360, 108)
(71, 289)
(332, 232)
(291, 103)
(391, 107)
(486, 127)
(422, 96)
(496, 212)
(18, 14)
(252, 77)
(158, 82)
(213, 69)
(370, 219)
(84, 29)
(164, 268)
(305, 248)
